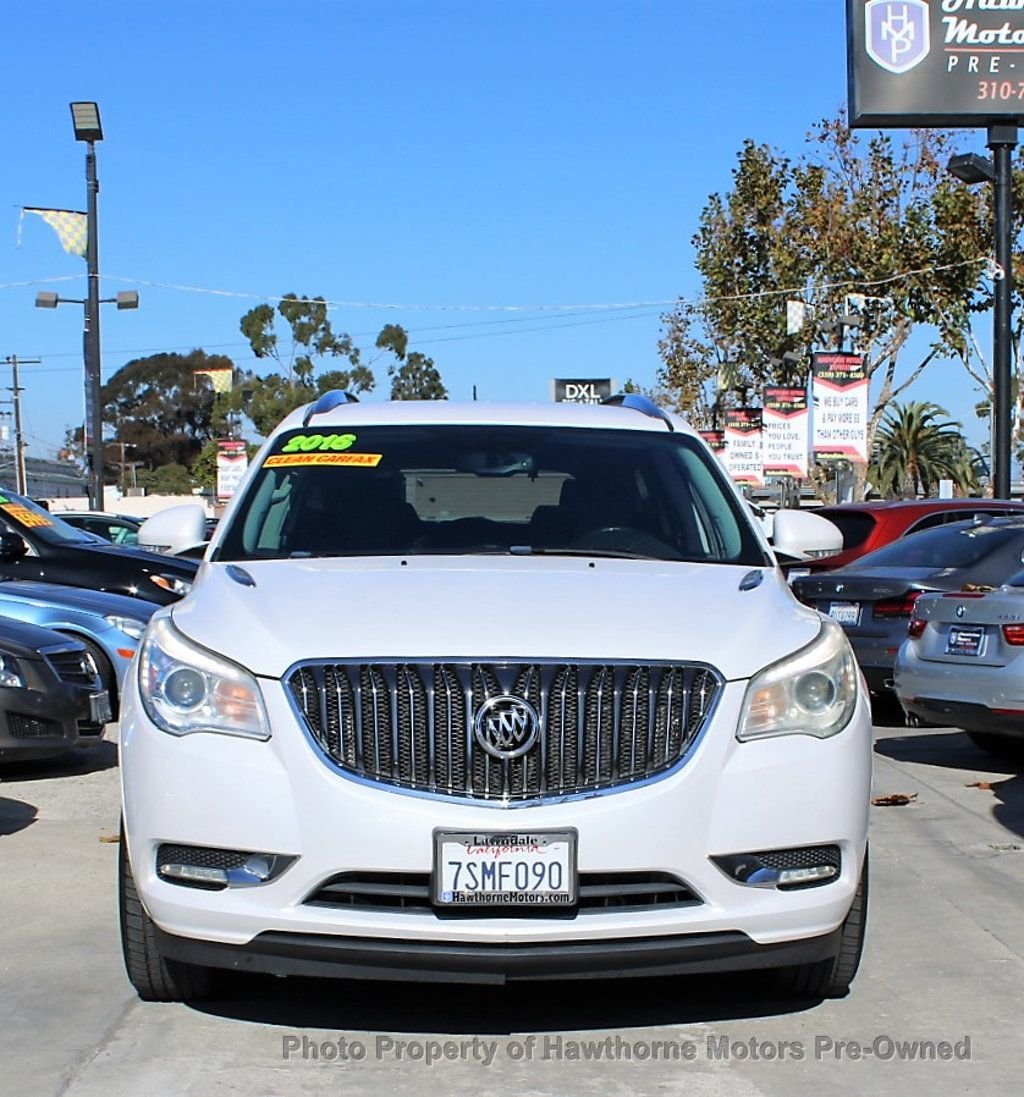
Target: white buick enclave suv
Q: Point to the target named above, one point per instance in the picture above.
(486, 693)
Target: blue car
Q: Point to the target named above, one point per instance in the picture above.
(109, 625)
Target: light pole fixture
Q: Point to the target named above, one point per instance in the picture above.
(972, 168)
(85, 118)
(125, 299)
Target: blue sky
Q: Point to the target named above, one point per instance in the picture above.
(483, 161)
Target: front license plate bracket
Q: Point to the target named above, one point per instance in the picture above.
(526, 870)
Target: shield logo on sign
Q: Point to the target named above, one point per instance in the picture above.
(896, 33)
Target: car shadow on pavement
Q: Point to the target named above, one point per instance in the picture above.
(499, 1010)
(952, 749)
(75, 763)
(15, 815)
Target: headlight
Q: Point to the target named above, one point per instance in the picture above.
(128, 625)
(9, 675)
(173, 583)
(810, 693)
(185, 688)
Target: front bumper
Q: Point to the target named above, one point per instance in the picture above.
(444, 961)
(280, 797)
(35, 724)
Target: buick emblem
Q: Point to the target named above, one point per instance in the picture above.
(506, 727)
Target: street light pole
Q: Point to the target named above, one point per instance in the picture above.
(1002, 140)
(86, 120)
(972, 168)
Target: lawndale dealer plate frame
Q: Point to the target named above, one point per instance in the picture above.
(526, 870)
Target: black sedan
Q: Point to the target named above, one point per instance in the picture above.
(873, 598)
(35, 544)
(51, 698)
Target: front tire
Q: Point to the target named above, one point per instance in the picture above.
(832, 978)
(155, 977)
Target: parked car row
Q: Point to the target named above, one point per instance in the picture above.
(73, 608)
(936, 616)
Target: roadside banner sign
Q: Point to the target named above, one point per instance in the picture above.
(232, 461)
(742, 456)
(714, 438)
(785, 426)
(839, 389)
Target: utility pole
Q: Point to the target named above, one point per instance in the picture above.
(21, 479)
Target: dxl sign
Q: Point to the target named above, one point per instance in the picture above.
(935, 62)
(586, 391)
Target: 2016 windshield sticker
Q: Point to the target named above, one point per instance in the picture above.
(324, 443)
(290, 460)
(29, 519)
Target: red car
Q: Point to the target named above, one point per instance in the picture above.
(867, 526)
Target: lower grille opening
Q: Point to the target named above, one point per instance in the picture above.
(410, 891)
(32, 727)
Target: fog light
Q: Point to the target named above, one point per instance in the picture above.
(195, 874)
(804, 866)
(215, 869)
(815, 874)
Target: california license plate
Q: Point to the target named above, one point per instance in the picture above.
(518, 868)
(846, 613)
(964, 640)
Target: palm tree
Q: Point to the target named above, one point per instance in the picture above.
(915, 449)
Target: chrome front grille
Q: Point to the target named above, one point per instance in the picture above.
(411, 725)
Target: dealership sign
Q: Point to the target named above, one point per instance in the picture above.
(582, 391)
(784, 440)
(935, 62)
(840, 392)
(232, 461)
(742, 456)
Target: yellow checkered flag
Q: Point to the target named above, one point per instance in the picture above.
(71, 227)
(221, 378)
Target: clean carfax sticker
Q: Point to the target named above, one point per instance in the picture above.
(287, 460)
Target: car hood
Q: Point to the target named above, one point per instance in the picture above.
(490, 608)
(79, 598)
(24, 641)
(154, 561)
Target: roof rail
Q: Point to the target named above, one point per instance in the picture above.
(328, 401)
(637, 402)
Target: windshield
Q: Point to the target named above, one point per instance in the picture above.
(442, 489)
(956, 546)
(35, 522)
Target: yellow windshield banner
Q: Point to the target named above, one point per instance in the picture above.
(28, 518)
(361, 460)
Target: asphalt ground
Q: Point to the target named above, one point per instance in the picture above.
(936, 1008)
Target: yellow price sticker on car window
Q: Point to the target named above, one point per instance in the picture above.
(360, 460)
(28, 518)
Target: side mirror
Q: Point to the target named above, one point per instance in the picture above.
(12, 546)
(802, 533)
(174, 530)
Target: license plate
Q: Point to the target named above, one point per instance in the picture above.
(99, 708)
(525, 869)
(964, 640)
(846, 613)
